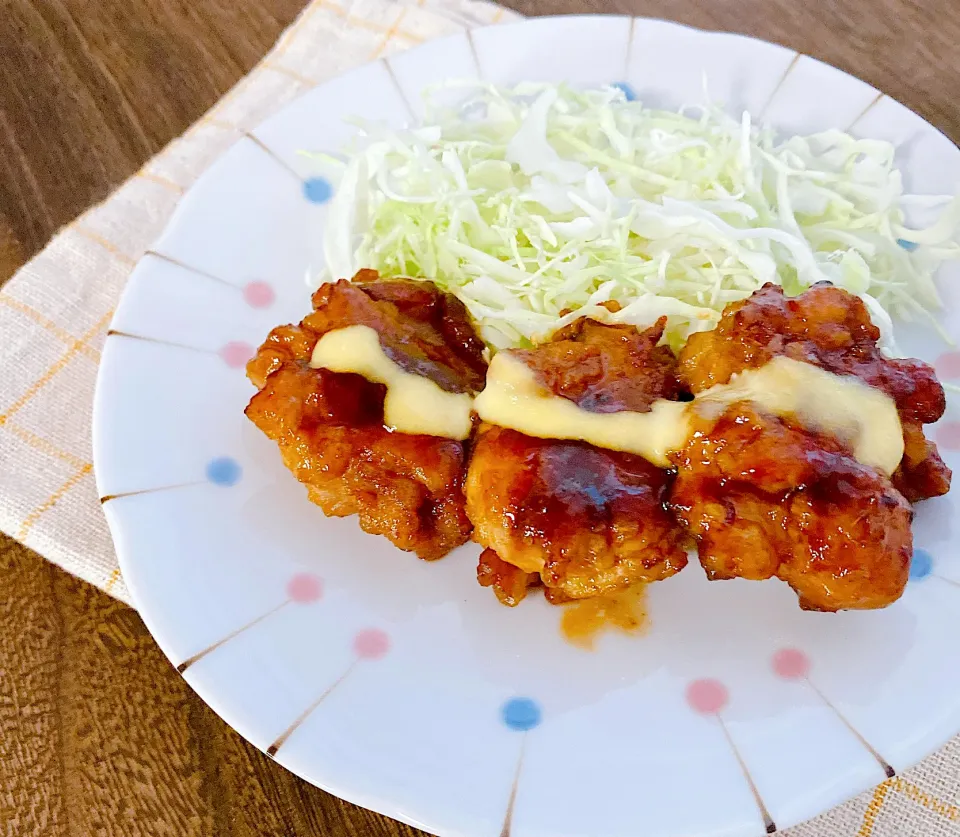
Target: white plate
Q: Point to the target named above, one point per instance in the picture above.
(403, 686)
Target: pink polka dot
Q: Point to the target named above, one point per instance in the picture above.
(791, 663)
(304, 588)
(259, 295)
(948, 435)
(707, 696)
(948, 365)
(236, 354)
(371, 644)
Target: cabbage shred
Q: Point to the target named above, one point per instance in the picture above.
(536, 204)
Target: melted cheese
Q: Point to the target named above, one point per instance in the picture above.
(858, 415)
(514, 398)
(413, 404)
(863, 418)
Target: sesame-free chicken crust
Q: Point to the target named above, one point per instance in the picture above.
(581, 520)
(329, 425)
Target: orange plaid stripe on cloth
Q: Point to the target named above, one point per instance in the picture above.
(54, 314)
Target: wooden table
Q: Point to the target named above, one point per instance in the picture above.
(98, 734)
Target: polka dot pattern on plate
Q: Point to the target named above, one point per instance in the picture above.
(236, 354)
(948, 365)
(371, 644)
(259, 294)
(304, 588)
(791, 663)
(224, 471)
(317, 190)
(948, 435)
(707, 696)
(521, 713)
(627, 90)
(922, 564)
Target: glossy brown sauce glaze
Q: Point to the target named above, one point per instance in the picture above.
(580, 520)
(829, 328)
(583, 621)
(421, 329)
(583, 520)
(766, 498)
(606, 368)
(329, 425)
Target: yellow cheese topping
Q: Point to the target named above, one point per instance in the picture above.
(514, 398)
(413, 404)
(859, 415)
(843, 406)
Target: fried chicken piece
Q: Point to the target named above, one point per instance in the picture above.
(829, 328)
(587, 520)
(329, 425)
(510, 583)
(583, 520)
(766, 498)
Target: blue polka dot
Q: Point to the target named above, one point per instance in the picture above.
(224, 471)
(521, 713)
(910, 246)
(627, 90)
(922, 564)
(317, 190)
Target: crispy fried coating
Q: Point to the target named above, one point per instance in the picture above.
(582, 520)
(421, 328)
(329, 425)
(509, 583)
(587, 520)
(605, 368)
(765, 498)
(829, 328)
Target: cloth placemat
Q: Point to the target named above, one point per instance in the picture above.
(54, 314)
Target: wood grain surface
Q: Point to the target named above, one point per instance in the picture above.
(98, 734)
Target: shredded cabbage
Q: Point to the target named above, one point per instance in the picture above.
(537, 204)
